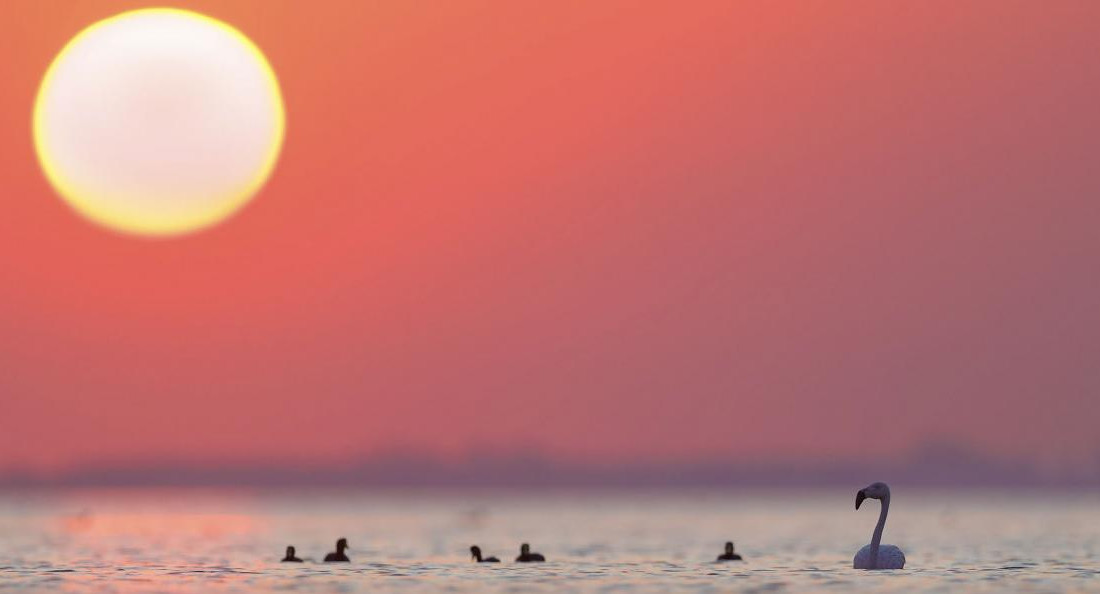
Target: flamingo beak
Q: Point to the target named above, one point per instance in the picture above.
(859, 498)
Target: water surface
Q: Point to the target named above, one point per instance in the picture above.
(613, 541)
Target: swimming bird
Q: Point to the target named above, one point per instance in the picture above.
(290, 558)
(476, 552)
(339, 556)
(875, 556)
(729, 555)
(526, 556)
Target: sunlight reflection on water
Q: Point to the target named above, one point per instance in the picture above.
(210, 541)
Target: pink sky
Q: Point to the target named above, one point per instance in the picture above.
(813, 229)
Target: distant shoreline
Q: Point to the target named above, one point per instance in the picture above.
(928, 468)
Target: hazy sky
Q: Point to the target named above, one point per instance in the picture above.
(602, 229)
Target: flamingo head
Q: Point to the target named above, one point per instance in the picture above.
(873, 491)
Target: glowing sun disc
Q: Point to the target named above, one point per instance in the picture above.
(158, 121)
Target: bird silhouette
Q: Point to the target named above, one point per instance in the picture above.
(339, 556)
(526, 556)
(475, 551)
(729, 555)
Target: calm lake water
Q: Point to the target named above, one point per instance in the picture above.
(613, 541)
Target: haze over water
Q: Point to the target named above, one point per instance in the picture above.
(188, 540)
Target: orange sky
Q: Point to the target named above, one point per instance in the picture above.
(610, 229)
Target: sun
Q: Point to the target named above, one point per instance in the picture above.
(158, 122)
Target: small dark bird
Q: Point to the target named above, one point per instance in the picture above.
(526, 556)
(290, 558)
(339, 556)
(729, 555)
(476, 552)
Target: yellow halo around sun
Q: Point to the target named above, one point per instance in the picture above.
(158, 121)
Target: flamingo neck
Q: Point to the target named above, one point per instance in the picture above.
(877, 538)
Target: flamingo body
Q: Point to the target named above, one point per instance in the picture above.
(889, 557)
